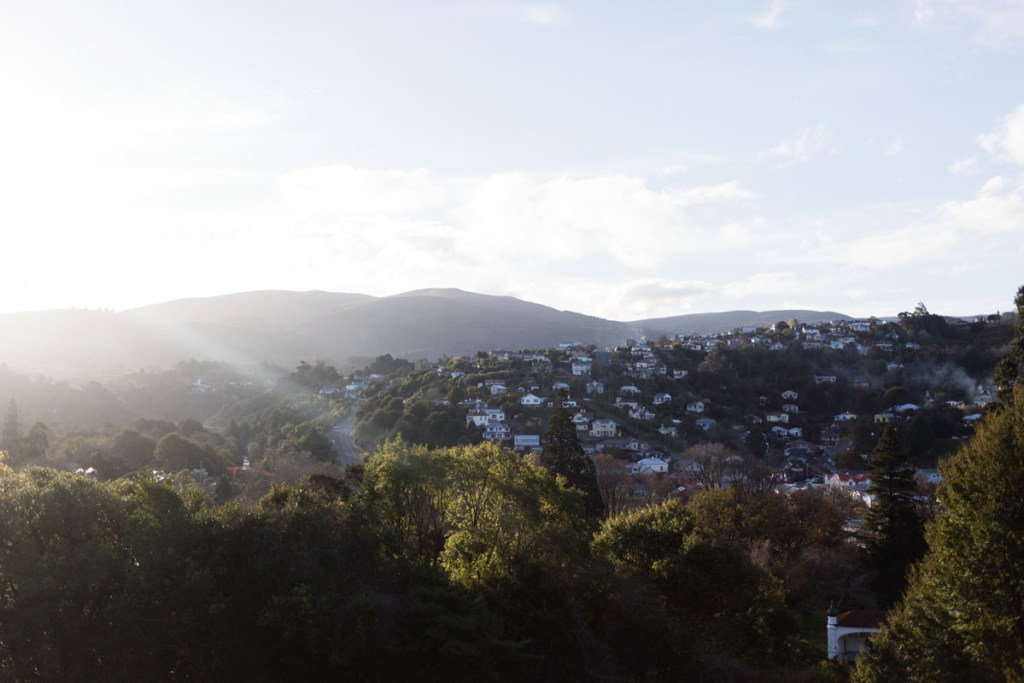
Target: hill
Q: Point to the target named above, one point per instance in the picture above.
(282, 327)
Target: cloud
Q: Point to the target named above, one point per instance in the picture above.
(998, 207)
(895, 147)
(537, 13)
(771, 18)
(799, 148)
(994, 24)
(967, 166)
(1006, 143)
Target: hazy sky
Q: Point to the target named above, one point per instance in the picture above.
(626, 160)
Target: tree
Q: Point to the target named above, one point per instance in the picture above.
(961, 617)
(1010, 371)
(563, 456)
(12, 427)
(896, 532)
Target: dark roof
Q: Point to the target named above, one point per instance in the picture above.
(861, 619)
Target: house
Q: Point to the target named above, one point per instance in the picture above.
(627, 405)
(580, 369)
(630, 443)
(526, 443)
(641, 413)
(680, 374)
(668, 430)
(595, 387)
(498, 389)
(706, 423)
(846, 416)
(477, 417)
(790, 408)
(649, 466)
(560, 386)
(696, 407)
(825, 379)
(848, 632)
(603, 429)
(661, 398)
(789, 395)
(497, 431)
(531, 401)
(777, 418)
(582, 418)
(629, 390)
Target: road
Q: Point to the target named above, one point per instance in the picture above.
(341, 436)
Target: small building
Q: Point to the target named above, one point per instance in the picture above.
(649, 466)
(526, 443)
(848, 632)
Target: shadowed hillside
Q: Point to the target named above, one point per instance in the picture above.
(283, 328)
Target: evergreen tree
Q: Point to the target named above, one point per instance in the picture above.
(563, 455)
(897, 534)
(12, 427)
(961, 617)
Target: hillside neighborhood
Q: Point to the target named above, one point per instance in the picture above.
(804, 402)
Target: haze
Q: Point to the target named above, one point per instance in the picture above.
(625, 161)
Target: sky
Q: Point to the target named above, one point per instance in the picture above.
(625, 160)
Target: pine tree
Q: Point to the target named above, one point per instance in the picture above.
(12, 428)
(897, 534)
(563, 455)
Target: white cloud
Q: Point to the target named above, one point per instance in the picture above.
(998, 207)
(894, 147)
(771, 18)
(801, 147)
(1006, 143)
(537, 13)
(967, 166)
(995, 24)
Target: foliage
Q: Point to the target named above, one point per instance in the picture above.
(563, 456)
(961, 617)
(896, 537)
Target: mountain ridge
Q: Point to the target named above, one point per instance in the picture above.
(283, 327)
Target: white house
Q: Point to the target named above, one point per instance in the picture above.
(603, 429)
(846, 416)
(580, 369)
(848, 632)
(629, 390)
(789, 395)
(649, 465)
(695, 407)
(661, 398)
(526, 442)
(531, 400)
(497, 431)
(595, 387)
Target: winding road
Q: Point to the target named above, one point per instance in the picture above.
(341, 436)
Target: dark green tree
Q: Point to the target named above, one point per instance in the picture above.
(563, 456)
(896, 531)
(961, 617)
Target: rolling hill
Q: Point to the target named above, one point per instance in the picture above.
(281, 327)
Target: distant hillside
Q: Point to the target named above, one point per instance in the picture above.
(282, 328)
(711, 323)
